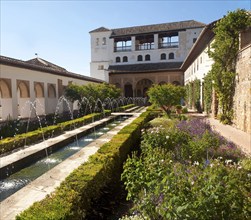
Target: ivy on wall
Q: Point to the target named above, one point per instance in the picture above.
(193, 95)
(207, 93)
(224, 52)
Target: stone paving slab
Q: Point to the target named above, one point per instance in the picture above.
(45, 184)
(240, 138)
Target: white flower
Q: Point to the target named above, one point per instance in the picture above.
(170, 161)
(196, 163)
(192, 182)
(167, 137)
(228, 161)
(211, 165)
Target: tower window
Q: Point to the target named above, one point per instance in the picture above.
(171, 56)
(140, 58)
(117, 59)
(104, 41)
(125, 59)
(147, 57)
(163, 56)
(100, 67)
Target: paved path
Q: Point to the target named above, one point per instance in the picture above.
(240, 138)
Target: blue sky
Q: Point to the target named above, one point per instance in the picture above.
(59, 30)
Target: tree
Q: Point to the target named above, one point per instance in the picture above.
(165, 96)
(224, 52)
(92, 91)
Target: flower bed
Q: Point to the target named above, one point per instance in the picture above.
(184, 172)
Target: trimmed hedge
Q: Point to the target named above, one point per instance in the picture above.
(125, 107)
(73, 198)
(20, 140)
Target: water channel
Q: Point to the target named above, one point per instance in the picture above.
(18, 180)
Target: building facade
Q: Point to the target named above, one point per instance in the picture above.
(242, 96)
(198, 64)
(134, 58)
(33, 86)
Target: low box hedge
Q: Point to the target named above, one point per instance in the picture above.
(11, 143)
(73, 198)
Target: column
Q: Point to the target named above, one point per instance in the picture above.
(14, 98)
(156, 41)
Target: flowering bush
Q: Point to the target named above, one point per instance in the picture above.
(165, 189)
(188, 172)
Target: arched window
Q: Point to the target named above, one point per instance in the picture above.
(51, 91)
(125, 59)
(171, 56)
(147, 57)
(163, 56)
(117, 59)
(140, 58)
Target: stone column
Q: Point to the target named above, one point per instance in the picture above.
(156, 41)
(14, 98)
(133, 43)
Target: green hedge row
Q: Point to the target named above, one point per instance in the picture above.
(20, 140)
(125, 107)
(73, 198)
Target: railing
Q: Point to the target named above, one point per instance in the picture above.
(122, 48)
(147, 46)
(169, 45)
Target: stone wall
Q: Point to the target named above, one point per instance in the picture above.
(242, 98)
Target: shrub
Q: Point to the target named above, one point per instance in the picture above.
(74, 196)
(162, 188)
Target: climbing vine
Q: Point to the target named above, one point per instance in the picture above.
(196, 95)
(207, 92)
(193, 94)
(224, 52)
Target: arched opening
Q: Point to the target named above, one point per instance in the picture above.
(163, 56)
(140, 58)
(52, 99)
(117, 59)
(162, 83)
(51, 91)
(40, 102)
(128, 90)
(23, 90)
(4, 89)
(142, 86)
(125, 59)
(5, 99)
(171, 56)
(147, 57)
(39, 90)
(23, 107)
